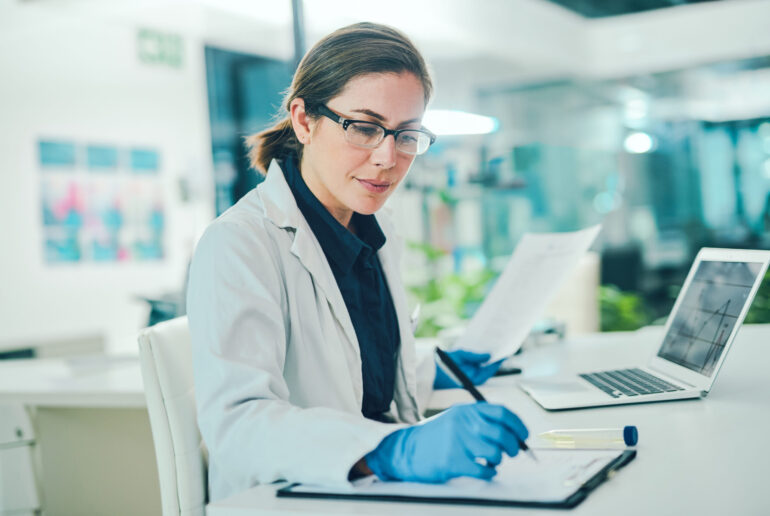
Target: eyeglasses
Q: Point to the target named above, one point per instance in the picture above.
(369, 134)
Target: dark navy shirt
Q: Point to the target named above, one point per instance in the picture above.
(353, 260)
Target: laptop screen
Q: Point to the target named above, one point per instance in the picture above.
(708, 313)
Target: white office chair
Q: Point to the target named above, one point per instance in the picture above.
(166, 358)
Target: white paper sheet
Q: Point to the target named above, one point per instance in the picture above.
(553, 478)
(538, 266)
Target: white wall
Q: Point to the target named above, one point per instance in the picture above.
(506, 43)
(69, 69)
(81, 80)
(678, 37)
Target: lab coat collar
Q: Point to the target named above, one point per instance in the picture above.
(278, 201)
(282, 210)
(341, 246)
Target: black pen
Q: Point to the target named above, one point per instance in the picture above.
(468, 386)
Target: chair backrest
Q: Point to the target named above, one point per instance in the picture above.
(166, 358)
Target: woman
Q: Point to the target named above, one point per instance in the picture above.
(304, 359)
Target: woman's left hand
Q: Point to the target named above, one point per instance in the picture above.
(470, 363)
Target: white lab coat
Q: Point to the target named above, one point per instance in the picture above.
(277, 366)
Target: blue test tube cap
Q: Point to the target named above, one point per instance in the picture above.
(630, 435)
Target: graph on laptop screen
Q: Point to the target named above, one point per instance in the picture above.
(708, 313)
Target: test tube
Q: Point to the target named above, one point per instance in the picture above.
(591, 437)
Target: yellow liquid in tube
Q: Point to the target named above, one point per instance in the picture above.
(594, 438)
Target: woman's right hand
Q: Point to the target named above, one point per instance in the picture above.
(449, 445)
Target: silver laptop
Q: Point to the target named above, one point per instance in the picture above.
(701, 328)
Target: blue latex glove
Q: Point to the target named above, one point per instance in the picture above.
(469, 363)
(448, 445)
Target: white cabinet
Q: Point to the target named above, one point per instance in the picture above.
(15, 426)
(18, 487)
(18, 490)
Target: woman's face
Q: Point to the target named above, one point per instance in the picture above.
(346, 178)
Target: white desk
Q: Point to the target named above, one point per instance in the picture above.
(61, 345)
(78, 381)
(93, 433)
(694, 457)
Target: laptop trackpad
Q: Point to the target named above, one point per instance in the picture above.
(561, 386)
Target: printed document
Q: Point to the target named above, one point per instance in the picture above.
(538, 266)
(553, 478)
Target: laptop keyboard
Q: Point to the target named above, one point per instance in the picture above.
(629, 382)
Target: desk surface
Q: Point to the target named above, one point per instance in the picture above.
(694, 457)
(79, 381)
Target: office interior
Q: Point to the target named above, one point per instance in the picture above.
(121, 137)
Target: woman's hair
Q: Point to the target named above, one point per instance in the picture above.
(347, 53)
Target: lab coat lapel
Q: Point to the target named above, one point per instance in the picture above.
(281, 208)
(390, 260)
(310, 254)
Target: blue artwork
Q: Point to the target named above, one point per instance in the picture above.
(104, 204)
(56, 154)
(101, 158)
(144, 161)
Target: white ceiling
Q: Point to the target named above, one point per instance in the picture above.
(533, 37)
(470, 43)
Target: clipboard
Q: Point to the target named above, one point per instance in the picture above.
(466, 490)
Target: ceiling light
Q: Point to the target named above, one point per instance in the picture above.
(638, 143)
(447, 121)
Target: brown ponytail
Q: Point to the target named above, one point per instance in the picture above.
(349, 52)
(271, 143)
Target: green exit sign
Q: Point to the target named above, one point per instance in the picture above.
(158, 48)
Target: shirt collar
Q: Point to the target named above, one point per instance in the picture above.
(340, 246)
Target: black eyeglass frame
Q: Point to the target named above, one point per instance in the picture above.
(321, 109)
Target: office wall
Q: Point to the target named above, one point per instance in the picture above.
(69, 77)
(69, 69)
(680, 37)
